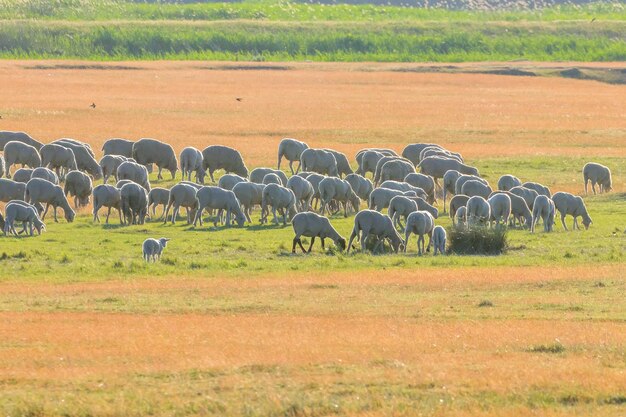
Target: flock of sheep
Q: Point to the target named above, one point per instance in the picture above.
(323, 180)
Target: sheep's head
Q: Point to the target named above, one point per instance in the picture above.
(586, 222)
(240, 219)
(341, 242)
(69, 215)
(39, 226)
(163, 241)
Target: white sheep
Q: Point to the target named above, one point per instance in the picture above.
(46, 174)
(191, 161)
(291, 149)
(79, 186)
(392, 168)
(478, 211)
(460, 182)
(404, 186)
(20, 153)
(368, 161)
(526, 193)
(216, 198)
(272, 178)
(372, 223)
(437, 166)
(597, 174)
(249, 195)
(152, 248)
(440, 152)
(216, 157)
(450, 178)
(158, 196)
(320, 161)
(381, 197)
(314, 178)
(421, 223)
(118, 146)
(257, 175)
(108, 196)
(135, 172)
(543, 208)
(506, 182)
(540, 188)
(459, 218)
(303, 190)
(473, 187)
(85, 160)
(228, 181)
(456, 203)
(151, 151)
(500, 206)
(412, 151)
(332, 188)
(573, 205)
(109, 165)
(40, 191)
(313, 225)
(7, 136)
(362, 186)
(20, 211)
(23, 175)
(133, 203)
(11, 190)
(400, 206)
(279, 198)
(343, 165)
(425, 182)
(182, 195)
(439, 240)
(519, 209)
(59, 158)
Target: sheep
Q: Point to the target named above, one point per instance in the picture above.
(20, 211)
(396, 170)
(439, 240)
(382, 161)
(460, 217)
(315, 179)
(456, 202)
(280, 198)
(291, 149)
(440, 152)
(182, 195)
(412, 151)
(303, 190)
(11, 190)
(122, 183)
(367, 162)
(332, 188)
(400, 206)
(436, 167)
(152, 248)
(320, 161)
(158, 196)
(573, 205)
(134, 172)
(460, 182)
(83, 154)
(425, 182)
(79, 186)
(474, 187)
(216, 198)
(362, 186)
(39, 190)
(133, 203)
(216, 157)
(271, 178)
(360, 159)
(2, 169)
(478, 211)
(59, 158)
(372, 223)
(118, 146)
(343, 165)
(109, 165)
(23, 175)
(228, 181)
(7, 136)
(313, 225)
(20, 153)
(519, 208)
(597, 174)
(404, 186)
(449, 184)
(526, 193)
(541, 189)
(421, 223)
(257, 175)
(108, 196)
(544, 208)
(506, 182)
(46, 174)
(381, 197)
(191, 161)
(249, 194)
(152, 151)
(75, 142)
(500, 206)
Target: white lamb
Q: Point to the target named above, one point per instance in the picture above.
(439, 240)
(500, 205)
(152, 248)
(597, 174)
(544, 208)
(421, 223)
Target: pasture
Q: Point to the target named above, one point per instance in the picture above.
(231, 323)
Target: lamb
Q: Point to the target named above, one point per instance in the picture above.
(404, 186)
(460, 217)
(500, 206)
(382, 161)
(320, 161)
(249, 194)
(39, 190)
(83, 154)
(228, 181)
(343, 166)
(544, 208)
(573, 205)
(400, 206)
(370, 222)
(272, 178)
(191, 161)
(519, 208)
(158, 196)
(421, 223)
(362, 186)
(478, 211)
(109, 165)
(46, 174)
(11, 190)
(23, 175)
(133, 203)
(152, 151)
(506, 182)
(59, 158)
(222, 157)
(7, 136)
(280, 198)
(425, 182)
(134, 172)
(19, 211)
(381, 197)
(412, 152)
(108, 196)
(257, 175)
(303, 190)
(152, 248)
(526, 193)
(332, 188)
(218, 199)
(368, 161)
(119, 147)
(20, 153)
(79, 186)
(396, 170)
(473, 187)
(439, 240)
(456, 202)
(291, 149)
(597, 174)
(449, 184)
(182, 195)
(541, 189)
(313, 225)
(460, 182)
(436, 167)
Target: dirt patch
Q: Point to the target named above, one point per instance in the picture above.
(83, 67)
(247, 67)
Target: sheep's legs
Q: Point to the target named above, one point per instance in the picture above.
(311, 245)
(563, 221)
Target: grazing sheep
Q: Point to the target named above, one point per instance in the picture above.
(7, 136)
(332, 188)
(478, 211)
(439, 240)
(473, 187)
(39, 190)
(303, 190)
(541, 189)
(368, 161)
(20, 211)
(404, 186)
(109, 165)
(182, 195)
(519, 208)
(20, 153)
(315, 179)
(573, 205)
(158, 196)
(544, 208)
(421, 223)
(222, 157)
(400, 206)
(134, 172)
(372, 223)
(46, 174)
(152, 248)
(108, 196)
(412, 152)
(23, 175)
(456, 202)
(216, 198)
(151, 151)
(440, 152)
(526, 193)
(381, 197)
(360, 159)
(75, 142)
(460, 217)
(83, 154)
(118, 146)
(228, 181)
(597, 174)
(257, 175)
(449, 184)
(249, 194)
(506, 182)
(133, 203)
(382, 161)
(436, 167)
(343, 166)
(362, 186)
(79, 186)
(395, 170)
(320, 161)
(280, 198)
(59, 158)
(425, 182)
(271, 178)
(460, 182)
(500, 205)
(313, 225)
(11, 190)
(291, 149)
(191, 161)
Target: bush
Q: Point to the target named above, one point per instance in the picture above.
(477, 240)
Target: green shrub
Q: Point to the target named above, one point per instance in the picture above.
(477, 240)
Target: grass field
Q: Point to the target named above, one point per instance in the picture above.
(230, 323)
